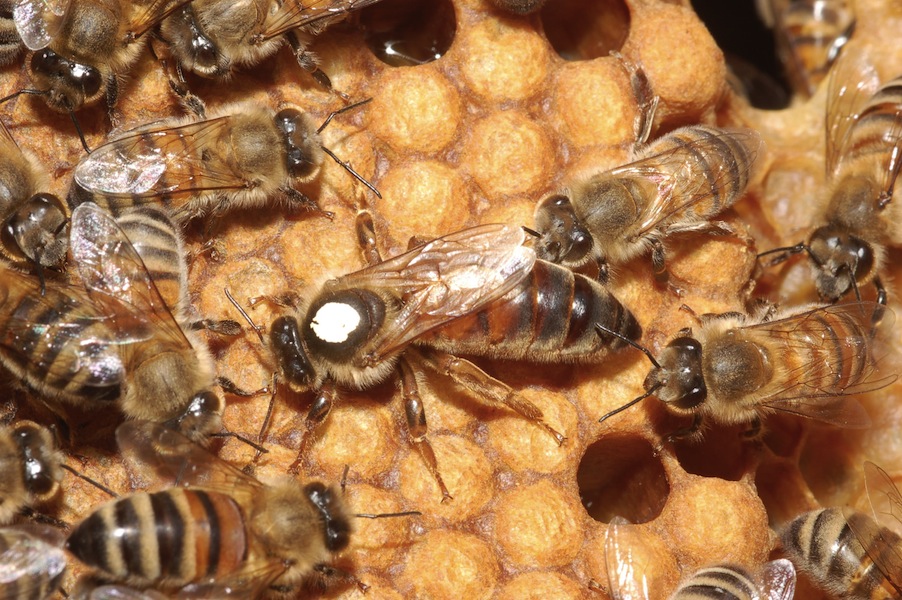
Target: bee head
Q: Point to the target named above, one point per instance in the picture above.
(202, 418)
(302, 144)
(564, 238)
(286, 344)
(336, 525)
(69, 84)
(41, 462)
(680, 378)
(36, 231)
(842, 260)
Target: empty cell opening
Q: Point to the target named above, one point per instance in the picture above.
(723, 452)
(621, 476)
(580, 30)
(406, 33)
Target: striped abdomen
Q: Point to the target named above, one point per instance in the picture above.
(56, 343)
(176, 536)
(722, 582)
(157, 240)
(869, 137)
(549, 317)
(842, 560)
(710, 169)
(32, 567)
(812, 32)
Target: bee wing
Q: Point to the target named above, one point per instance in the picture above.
(315, 14)
(146, 14)
(33, 557)
(853, 80)
(446, 278)
(178, 461)
(627, 574)
(807, 395)
(120, 592)
(892, 139)
(676, 175)
(886, 506)
(146, 163)
(777, 580)
(38, 21)
(250, 582)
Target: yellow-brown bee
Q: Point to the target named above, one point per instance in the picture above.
(32, 468)
(244, 156)
(808, 362)
(864, 153)
(80, 49)
(32, 561)
(10, 42)
(113, 341)
(478, 291)
(33, 222)
(679, 182)
(221, 532)
(628, 579)
(852, 554)
(213, 38)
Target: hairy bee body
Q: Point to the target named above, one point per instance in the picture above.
(549, 317)
(33, 562)
(842, 553)
(30, 463)
(10, 42)
(718, 583)
(678, 183)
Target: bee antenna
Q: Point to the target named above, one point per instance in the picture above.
(344, 109)
(224, 434)
(344, 478)
(29, 92)
(407, 513)
(244, 314)
(81, 136)
(531, 232)
(347, 167)
(39, 271)
(601, 329)
(647, 393)
(96, 484)
(787, 251)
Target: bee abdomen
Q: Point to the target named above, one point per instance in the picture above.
(177, 536)
(827, 548)
(549, 317)
(835, 364)
(718, 583)
(42, 579)
(156, 239)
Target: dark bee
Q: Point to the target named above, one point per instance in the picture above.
(849, 553)
(32, 468)
(808, 362)
(478, 291)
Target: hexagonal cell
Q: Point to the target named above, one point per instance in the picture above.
(405, 33)
(582, 31)
(723, 452)
(620, 475)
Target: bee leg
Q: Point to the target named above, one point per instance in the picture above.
(226, 327)
(366, 238)
(45, 519)
(286, 300)
(483, 385)
(686, 432)
(659, 264)
(112, 96)
(300, 200)
(646, 100)
(328, 572)
(310, 63)
(416, 424)
(319, 410)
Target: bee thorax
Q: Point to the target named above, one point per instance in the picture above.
(335, 321)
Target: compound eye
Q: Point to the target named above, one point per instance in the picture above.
(44, 205)
(285, 340)
(46, 61)
(298, 139)
(38, 475)
(687, 372)
(87, 78)
(580, 243)
(864, 257)
(204, 51)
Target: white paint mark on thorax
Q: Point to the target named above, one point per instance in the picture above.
(334, 321)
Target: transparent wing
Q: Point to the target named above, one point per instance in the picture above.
(117, 280)
(627, 574)
(163, 159)
(32, 560)
(78, 340)
(167, 455)
(777, 580)
(446, 278)
(315, 14)
(38, 21)
(250, 582)
(853, 81)
(688, 174)
(146, 14)
(836, 349)
(119, 592)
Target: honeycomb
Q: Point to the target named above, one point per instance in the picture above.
(478, 136)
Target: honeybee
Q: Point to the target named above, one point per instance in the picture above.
(810, 35)
(848, 553)
(214, 37)
(10, 42)
(32, 561)
(33, 222)
(112, 341)
(477, 291)
(239, 158)
(677, 184)
(221, 532)
(808, 362)
(628, 576)
(79, 49)
(32, 468)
